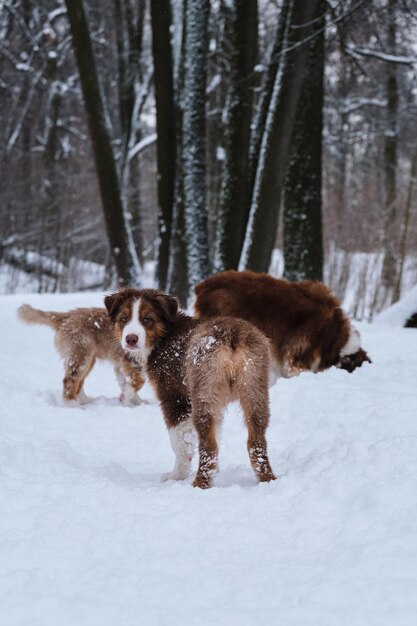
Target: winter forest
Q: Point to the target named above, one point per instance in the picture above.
(184, 137)
(239, 455)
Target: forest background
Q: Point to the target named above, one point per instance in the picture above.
(184, 137)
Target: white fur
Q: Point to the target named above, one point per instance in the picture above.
(353, 343)
(134, 327)
(183, 440)
(128, 396)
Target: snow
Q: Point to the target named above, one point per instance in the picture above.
(398, 313)
(89, 535)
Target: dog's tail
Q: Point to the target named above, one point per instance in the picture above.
(35, 316)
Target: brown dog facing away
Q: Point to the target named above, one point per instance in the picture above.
(82, 336)
(304, 321)
(196, 369)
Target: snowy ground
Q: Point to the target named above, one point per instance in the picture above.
(89, 535)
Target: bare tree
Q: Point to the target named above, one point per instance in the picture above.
(118, 231)
(194, 132)
(272, 165)
(178, 262)
(233, 211)
(165, 124)
(389, 269)
(303, 238)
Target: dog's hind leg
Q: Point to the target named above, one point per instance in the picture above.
(255, 405)
(205, 425)
(76, 371)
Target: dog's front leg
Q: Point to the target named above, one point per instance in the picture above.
(131, 381)
(183, 440)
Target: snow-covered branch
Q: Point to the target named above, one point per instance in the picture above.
(357, 103)
(381, 56)
(141, 145)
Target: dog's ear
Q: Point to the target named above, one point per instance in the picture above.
(113, 303)
(168, 305)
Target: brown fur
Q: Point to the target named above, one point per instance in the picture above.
(197, 368)
(303, 320)
(81, 337)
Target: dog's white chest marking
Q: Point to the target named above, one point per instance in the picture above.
(353, 343)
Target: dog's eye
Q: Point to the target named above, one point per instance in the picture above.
(123, 319)
(148, 321)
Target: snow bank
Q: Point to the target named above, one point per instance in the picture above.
(401, 311)
(89, 535)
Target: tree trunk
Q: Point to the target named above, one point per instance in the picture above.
(303, 237)
(273, 158)
(194, 137)
(165, 125)
(118, 231)
(404, 227)
(178, 266)
(389, 268)
(276, 61)
(232, 217)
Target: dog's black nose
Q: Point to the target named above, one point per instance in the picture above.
(131, 340)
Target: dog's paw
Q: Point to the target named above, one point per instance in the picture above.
(83, 398)
(267, 477)
(175, 475)
(202, 482)
(74, 404)
(129, 399)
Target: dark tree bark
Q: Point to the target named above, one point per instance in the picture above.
(165, 124)
(129, 28)
(276, 60)
(194, 137)
(389, 269)
(303, 237)
(233, 212)
(119, 235)
(273, 158)
(178, 266)
(51, 217)
(404, 227)
(342, 207)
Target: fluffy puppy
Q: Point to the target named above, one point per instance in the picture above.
(196, 369)
(81, 337)
(304, 321)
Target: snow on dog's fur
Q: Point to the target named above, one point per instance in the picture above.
(307, 328)
(81, 337)
(196, 369)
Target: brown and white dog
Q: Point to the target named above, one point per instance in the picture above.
(307, 328)
(81, 337)
(196, 368)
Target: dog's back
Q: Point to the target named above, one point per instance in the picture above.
(307, 327)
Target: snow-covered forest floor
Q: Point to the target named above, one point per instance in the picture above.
(89, 535)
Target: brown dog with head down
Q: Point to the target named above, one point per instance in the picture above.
(196, 369)
(307, 328)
